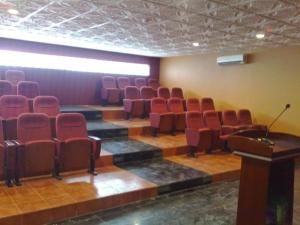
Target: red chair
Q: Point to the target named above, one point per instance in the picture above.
(198, 136)
(77, 150)
(133, 104)
(193, 104)
(6, 88)
(123, 82)
(245, 119)
(11, 106)
(207, 104)
(48, 105)
(219, 135)
(163, 92)
(177, 92)
(161, 119)
(147, 93)
(14, 77)
(175, 105)
(28, 89)
(109, 92)
(36, 155)
(140, 82)
(154, 83)
(230, 121)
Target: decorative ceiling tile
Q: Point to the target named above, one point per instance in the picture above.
(156, 27)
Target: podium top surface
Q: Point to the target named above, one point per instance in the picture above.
(247, 143)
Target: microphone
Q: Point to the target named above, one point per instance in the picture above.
(265, 139)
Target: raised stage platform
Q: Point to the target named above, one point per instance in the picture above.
(133, 166)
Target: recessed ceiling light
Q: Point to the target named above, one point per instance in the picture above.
(260, 35)
(13, 11)
(196, 44)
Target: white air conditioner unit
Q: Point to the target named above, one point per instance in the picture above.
(232, 59)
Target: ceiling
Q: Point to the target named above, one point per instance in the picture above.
(155, 27)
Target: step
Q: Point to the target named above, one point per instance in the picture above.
(125, 149)
(104, 130)
(88, 112)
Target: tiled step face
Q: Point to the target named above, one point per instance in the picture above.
(124, 149)
(105, 130)
(88, 112)
(167, 175)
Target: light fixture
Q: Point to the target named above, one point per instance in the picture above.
(260, 35)
(13, 11)
(196, 44)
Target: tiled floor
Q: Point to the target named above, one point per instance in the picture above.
(214, 204)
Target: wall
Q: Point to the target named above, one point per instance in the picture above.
(68, 86)
(269, 81)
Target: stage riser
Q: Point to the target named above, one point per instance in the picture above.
(107, 134)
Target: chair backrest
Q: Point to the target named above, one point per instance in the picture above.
(33, 127)
(139, 82)
(6, 88)
(46, 104)
(207, 104)
(177, 92)
(244, 116)
(154, 83)
(132, 92)
(211, 119)
(123, 82)
(229, 117)
(11, 106)
(175, 105)
(194, 120)
(109, 82)
(70, 125)
(29, 89)
(14, 76)
(163, 92)
(193, 104)
(158, 105)
(147, 92)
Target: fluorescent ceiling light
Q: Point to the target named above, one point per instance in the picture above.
(13, 11)
(196, 44)
(260, 35)
(34, 60)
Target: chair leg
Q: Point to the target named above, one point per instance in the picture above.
(55, 172)
(154, 132)
(16, 167)
(208, 151)
(192, 151)
(92, 167)
(226, 148)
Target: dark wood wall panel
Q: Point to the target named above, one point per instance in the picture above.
(69, 86)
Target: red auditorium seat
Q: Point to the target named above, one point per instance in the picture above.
(175, 106)
(245, 119)
(177, 92)
(198, 136)
(219, 135)
(109, 92)
(133, 104)
(77, 150)
(29, 89)
(122, 83)
(37, 148)
(160, 118)
(6, 88)
(147, 93)
(163, 92)
(11, 106)
(154, 83)
(140, 82)
(48, 105)
(193, 104)
(230, 121)
(14, 76)
(207, 104)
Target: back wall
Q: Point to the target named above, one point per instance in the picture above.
(264, 85)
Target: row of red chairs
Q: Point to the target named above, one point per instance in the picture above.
(36, 151)
(204, 131)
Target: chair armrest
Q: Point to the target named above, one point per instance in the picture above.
(96, 144)
(226, 129)
(10, 144)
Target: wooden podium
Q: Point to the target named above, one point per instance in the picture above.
(267, 177)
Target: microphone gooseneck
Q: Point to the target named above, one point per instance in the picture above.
(266, 140)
